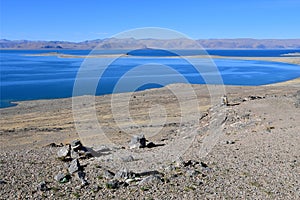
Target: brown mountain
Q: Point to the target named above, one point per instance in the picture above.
(131, 43)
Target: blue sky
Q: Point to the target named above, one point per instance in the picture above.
(79, 20)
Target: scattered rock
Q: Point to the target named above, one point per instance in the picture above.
(152, 179)
(63, 152)
(74, 166)
(137, 142)
(2, 182)
(42, 186)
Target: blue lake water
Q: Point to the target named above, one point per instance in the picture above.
(47, 77)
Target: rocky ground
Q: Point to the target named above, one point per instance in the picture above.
(247, 148)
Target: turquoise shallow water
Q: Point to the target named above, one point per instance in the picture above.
(48, 77)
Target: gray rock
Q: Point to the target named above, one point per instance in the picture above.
(74, 166)
(128, 158)
(59, 177)
(108, 174)
(76, 145)
(42, 186)
(150, 180)
(63, 152)
(113, 184)
(137, 141)
(124, 174)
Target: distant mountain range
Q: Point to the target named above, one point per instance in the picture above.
(131, 43)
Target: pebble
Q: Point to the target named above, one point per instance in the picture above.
(42, 186)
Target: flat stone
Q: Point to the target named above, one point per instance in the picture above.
(150, 180)
(74, 166)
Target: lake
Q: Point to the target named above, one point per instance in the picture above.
(47, 77)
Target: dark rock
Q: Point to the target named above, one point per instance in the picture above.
(63, 152)
(2, 182)
(128, 158)
(230, 142)
(74, 166)
(150, 180)
(151, 145)
(42, 186)
(137, 142)
(81, 176)
(54, 145)
(203, 164)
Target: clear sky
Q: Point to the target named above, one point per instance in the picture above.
(79, 20)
